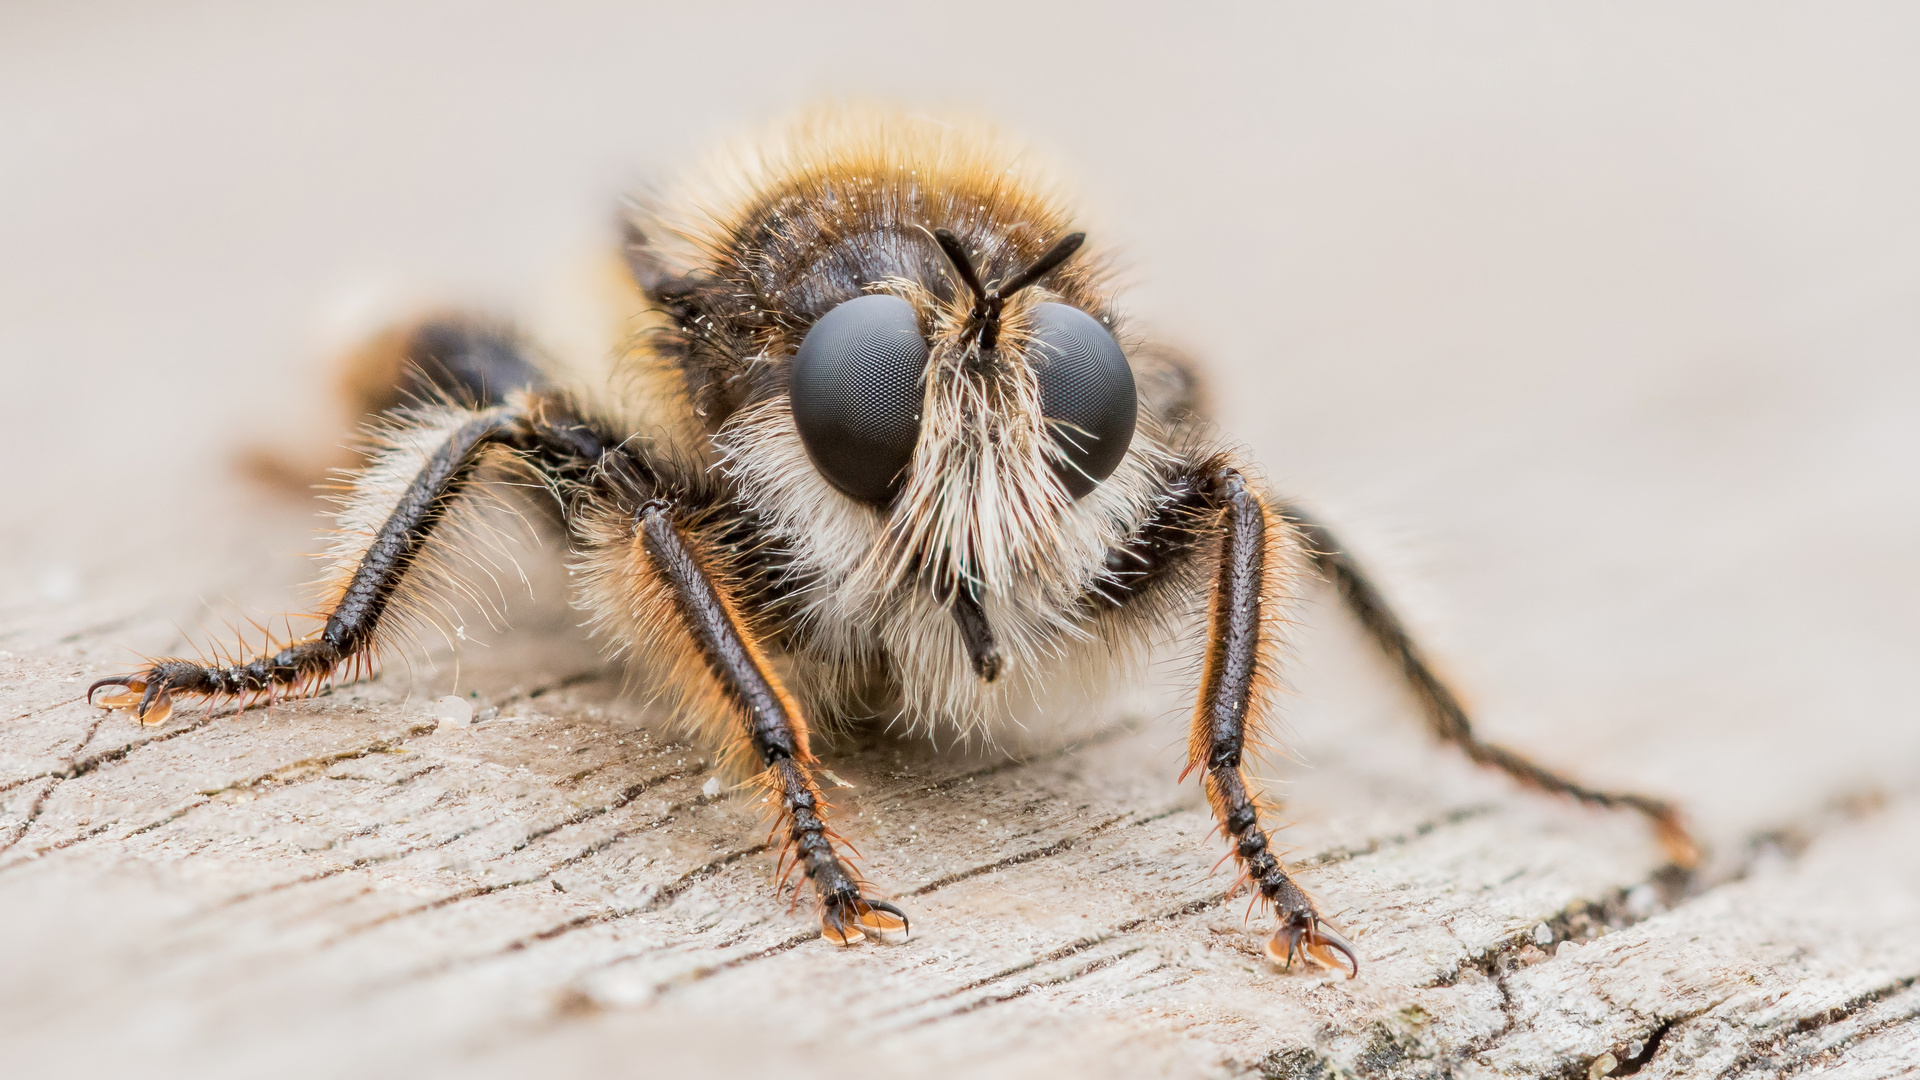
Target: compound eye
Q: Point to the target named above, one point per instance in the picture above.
(856, 389)
(1086, 393)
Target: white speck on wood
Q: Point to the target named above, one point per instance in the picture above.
(453, 711)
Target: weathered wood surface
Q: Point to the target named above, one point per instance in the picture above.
(350, 878)
(1654, 435)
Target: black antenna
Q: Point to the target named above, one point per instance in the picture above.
(988, 305)
(962, 265)
(1044, 265)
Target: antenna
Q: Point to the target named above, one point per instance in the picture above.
(988, 305)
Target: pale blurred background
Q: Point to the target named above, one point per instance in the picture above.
(1596, 326)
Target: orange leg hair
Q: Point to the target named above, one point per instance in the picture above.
(1236, 682)
(687, 611)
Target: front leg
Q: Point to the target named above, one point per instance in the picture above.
(1207, 509)
(734, 689)
(1235, 684)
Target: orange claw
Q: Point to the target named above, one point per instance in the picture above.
(149, 712)
(859, 919)
(156, 713)
(1677, 842)
(134, 687)
(1316, 942)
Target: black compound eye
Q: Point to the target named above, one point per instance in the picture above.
(857, 385)
(1086, 393)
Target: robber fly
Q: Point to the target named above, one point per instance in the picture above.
(880, 444)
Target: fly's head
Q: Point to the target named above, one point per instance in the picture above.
(1002, 406)
(920, 334)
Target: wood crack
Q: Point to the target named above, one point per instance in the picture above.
(359, 863)
(479, 891)
(1335, 856)
(627, 795)
(314, 765)
(1199, 904)
(1766, 1054)
(19, 830)
(1022, 991)
(40, 801)
(936, 785)
(668, 893)
(1045, 851)
(654, 901)
(1072, 948)
(82, 767)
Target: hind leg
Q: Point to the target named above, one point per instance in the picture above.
(1447, 716)
(462, 360)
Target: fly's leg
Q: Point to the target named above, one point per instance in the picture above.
(1447, 716)
(400, 536)
(1208, 516)
(393, 512)
(675, 577)
(1204, 501)
(1235, 684)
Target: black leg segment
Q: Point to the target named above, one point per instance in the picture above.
(364, 598)
(1442, 706)
(775, 730)
(1232, 689)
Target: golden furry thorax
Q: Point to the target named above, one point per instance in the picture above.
(843, 203)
